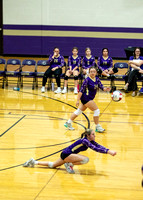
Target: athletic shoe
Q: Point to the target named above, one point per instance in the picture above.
(29, 163)
(134, 94)
(126, 87)
(43, 89)
(75, 91)
(99, 129)
(58, 91)
(69, 168)
(64, 91)
(69, 126)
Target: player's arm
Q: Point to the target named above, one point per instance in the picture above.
(100, 85)
(78, 98)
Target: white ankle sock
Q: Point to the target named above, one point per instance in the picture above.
(36, 162)
(69, 121)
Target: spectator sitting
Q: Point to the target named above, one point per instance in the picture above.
(56, 62)
(136, 63)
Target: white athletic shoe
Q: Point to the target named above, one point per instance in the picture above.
(69, 168)
(99, 129)
(75, 91)
(69, 126)
(64, 91)
(58, 90)
(29, 163)
(43, 89)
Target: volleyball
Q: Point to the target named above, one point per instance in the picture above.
(116, 95)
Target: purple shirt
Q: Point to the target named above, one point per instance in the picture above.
(74, 62)
(140, 58)
(56, 61)
(104, 64)
(83, 144)
(89, 88)
(87, 63)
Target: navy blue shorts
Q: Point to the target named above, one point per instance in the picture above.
(84, 102)
(64, 155)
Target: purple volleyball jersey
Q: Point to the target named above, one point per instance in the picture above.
(74, 62)
(56, 61)
(83, 144)
(87, 63)
(89, 88)
(104, 64)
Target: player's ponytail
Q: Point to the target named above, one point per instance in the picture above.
(87, 132)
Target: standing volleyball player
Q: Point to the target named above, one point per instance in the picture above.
(87, 62)
(70, 157)
(74, 62)
(86, 95)
(56, 62)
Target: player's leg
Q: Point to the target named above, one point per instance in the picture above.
(47, 73)
(57, 74)
(75, 114)
(93, 107)
(66, 81)
(75, 74)
(74, 159)
(31, 163)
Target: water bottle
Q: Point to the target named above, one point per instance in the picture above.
(16, 88)
(53, 86)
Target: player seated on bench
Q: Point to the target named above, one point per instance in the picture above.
(87, 62)
(105, 67)
(74, 62)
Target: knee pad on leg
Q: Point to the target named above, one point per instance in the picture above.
(85, 160)
(50, 164)
(99, 71)
(96, 113)
(66, 78)
(78, 112)
(115, 70)
(75, 77)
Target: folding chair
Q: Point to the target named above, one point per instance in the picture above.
(122, 70)
(41, 67)
(2, 70)
(12, 69)
(28, 70)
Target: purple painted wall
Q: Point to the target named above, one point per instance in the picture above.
(41, 45)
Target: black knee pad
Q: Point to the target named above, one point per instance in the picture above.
(66, 77)
(115, 70)
(75, 77)
(99, 71)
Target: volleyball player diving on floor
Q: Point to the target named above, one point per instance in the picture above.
(70, 157)
(86, 95)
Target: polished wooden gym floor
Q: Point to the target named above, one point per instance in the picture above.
(32, 125)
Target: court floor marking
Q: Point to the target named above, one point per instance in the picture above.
(53, 117)
(35, 159)
(12, 125)
(59, 102)
(62, 112)
(46, 184)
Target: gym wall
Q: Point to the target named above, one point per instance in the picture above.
(35, 27)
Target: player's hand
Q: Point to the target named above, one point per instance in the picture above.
(141, 71)
(54, 69)
(112, 153)
(107, 89)
(77, 103)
